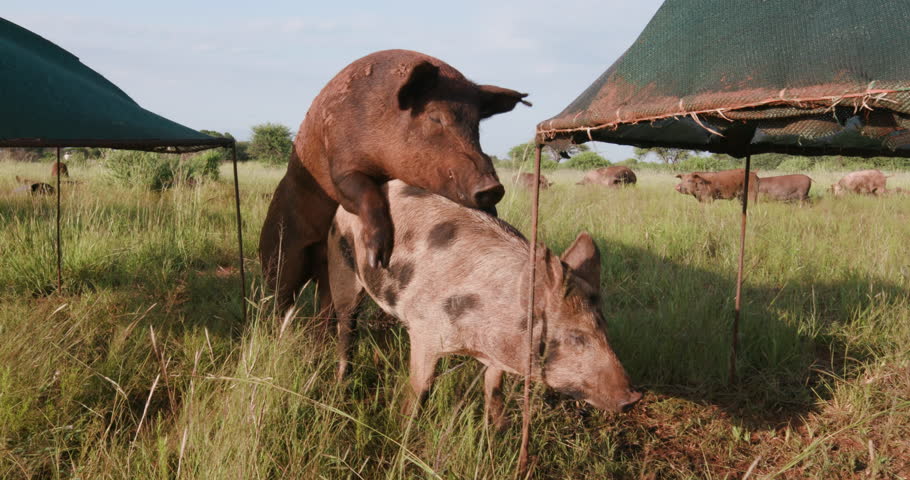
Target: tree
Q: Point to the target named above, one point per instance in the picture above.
(522, 157)
(670, 156)
(213, 133)
(587, 161)
(271, 143)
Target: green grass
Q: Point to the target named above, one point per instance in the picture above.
(142, 368)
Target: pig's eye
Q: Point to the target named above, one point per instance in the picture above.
(577, 339)
(435, 119)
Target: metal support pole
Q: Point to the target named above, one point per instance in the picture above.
(532, 260)
(239, 232)
(59, 250)
(739, 274)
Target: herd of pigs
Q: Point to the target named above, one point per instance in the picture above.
(388, 194)
(728, 184)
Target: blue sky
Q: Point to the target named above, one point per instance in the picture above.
(232, 64)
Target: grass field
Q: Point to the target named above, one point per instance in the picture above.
(142, 368)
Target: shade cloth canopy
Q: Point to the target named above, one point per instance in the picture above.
(811, 77)
(48, 98)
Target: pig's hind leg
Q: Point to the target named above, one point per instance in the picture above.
(346, 292)
(346, 310)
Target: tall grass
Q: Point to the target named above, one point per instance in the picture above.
(142, 368)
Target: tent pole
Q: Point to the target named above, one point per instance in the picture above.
(239, 232)
(739, 274)
(532, 260)
(59, 250)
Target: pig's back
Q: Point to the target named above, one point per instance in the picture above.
(450, 265)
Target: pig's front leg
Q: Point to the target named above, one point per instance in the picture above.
(422, 369)
(362, 196)
(492, 395)
(345, 328)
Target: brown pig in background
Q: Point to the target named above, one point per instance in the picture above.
(786, 188)
(458, 282)
(710, 186)
(392, 114)
(615, 176)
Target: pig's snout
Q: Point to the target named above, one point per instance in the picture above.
(678, 187)
(632, 399)
(488, 194)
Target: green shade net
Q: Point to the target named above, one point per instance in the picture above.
(811, 77)
(48, 98)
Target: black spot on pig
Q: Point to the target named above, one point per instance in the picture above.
(442, 235)
(373, 279)
(456, 305)
(407, 239)
(391, 296)
(577, 338)
(403, 272)
(347, 252)
(553, 351)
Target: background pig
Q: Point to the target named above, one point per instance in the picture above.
(59, 167)
(526, 180)
(391, 114)
(458, 281)
(615, 176)
(786, 187)
(33, 187)
(725, 184)
(863, 182)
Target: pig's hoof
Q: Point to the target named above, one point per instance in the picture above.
(379, 250)
(500, 423)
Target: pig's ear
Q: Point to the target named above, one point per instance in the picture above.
(549, 269)
(678, 175)
(583, 258)
(495, 100)
(421, 79)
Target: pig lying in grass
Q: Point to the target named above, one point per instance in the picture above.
(458, 282)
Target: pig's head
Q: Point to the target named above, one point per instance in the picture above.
(689, 183)
(578, 360)
(439, 113)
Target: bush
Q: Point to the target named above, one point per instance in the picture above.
(156, 171)
(795, 164)
(768, 161)
(271, 143)
(586, 161)
(709, 164)
(521, 157)
(629, 162)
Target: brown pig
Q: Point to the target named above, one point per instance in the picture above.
(458, 282)
(392, 114)
(786, 187)
(59, 168)
(725, 184)
(526, 180)
(615, 176)
(863, 182)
